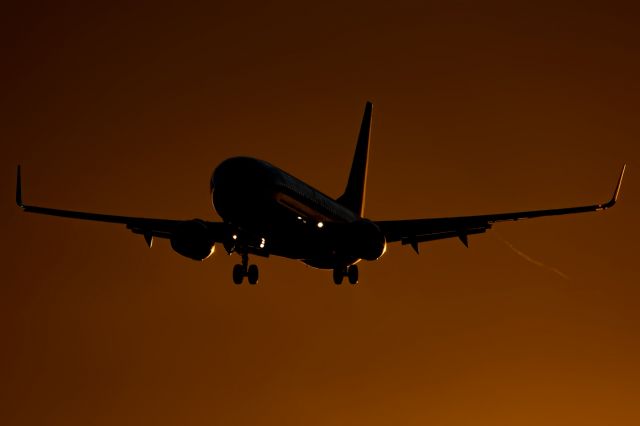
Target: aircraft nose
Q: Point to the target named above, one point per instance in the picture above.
(239, 186)
(239, 174)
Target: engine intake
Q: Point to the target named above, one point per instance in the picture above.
(193, 240)
(362, 239)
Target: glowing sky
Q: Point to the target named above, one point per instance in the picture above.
(478, 108)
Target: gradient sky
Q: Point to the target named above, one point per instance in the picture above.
(478, 108)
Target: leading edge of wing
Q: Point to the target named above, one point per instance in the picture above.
(567, 210)
(396, 230)
(72, 213)
(157, 227)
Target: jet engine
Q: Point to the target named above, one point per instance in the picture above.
(362, 239)
(192, 239)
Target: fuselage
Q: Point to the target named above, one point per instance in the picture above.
(285, 216)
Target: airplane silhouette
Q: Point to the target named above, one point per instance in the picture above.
(268, 212)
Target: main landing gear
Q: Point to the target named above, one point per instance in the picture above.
(350, 272)
(245, 270)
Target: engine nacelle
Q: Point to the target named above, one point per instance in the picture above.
(192, 240)
(362, 239)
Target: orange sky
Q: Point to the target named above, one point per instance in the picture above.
(477, 109)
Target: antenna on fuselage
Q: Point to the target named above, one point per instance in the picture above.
(353, 197)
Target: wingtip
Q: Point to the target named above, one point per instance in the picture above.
(19, 189)
(616, 192)
(619, 184)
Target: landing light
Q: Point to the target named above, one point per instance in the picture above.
(262, 243)
(234, 236)
(320, 224)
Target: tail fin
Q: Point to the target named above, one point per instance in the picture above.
(353, 197)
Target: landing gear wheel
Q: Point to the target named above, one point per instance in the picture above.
(252, 274)
(352, 274)
(238, 274)
(338, 275)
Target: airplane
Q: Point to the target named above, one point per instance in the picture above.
(268, 212)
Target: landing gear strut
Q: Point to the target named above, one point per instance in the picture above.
(350, 272)
(245, 270)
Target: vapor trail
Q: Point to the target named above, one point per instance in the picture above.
(532, 260)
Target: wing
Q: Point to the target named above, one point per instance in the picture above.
(417, 231)
(161, 228)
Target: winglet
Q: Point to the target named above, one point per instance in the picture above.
(616, 192)
(19, 190)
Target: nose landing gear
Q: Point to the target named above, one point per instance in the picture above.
(350, 272)
(245, 270)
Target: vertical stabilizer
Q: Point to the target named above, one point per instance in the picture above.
(353, 197)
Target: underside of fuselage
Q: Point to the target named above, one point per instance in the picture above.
(277, 214)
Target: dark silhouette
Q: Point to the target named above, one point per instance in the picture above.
(266, 211)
